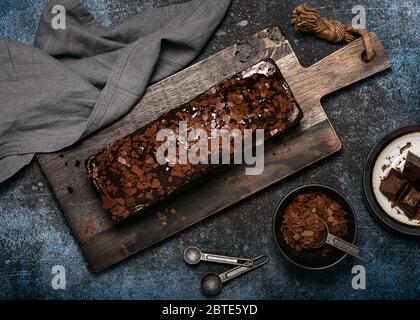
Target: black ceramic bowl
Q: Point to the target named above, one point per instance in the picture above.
(372, 204)
(310, 259)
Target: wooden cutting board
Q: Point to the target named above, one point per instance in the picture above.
(105, 243)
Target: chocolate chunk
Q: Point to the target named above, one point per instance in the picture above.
(409, 202)
(411, 170)
(128, 170)
(70, 190)
(392, 185)
(384, 167)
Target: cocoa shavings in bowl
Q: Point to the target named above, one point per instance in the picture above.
(302, 226)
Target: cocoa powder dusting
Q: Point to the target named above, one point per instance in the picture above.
(88, 229)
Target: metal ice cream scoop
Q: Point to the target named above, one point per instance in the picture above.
(193, 255)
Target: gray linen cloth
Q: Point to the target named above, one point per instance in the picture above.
(80, 79)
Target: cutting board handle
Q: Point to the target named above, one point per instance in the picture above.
(339, 69)
(346, 66)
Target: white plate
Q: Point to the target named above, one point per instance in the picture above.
(391, 157)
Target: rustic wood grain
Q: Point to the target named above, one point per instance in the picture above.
(104, 242)
(334, 71)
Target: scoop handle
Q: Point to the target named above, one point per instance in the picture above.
(226, 260)
(237, 271)
(349, 248)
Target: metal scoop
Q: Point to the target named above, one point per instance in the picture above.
(343, 245)
(193, 255)
(211, 283)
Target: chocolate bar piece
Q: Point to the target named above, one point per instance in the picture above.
(392, 185)
(411, 170)
(409, 202)
(127, 173)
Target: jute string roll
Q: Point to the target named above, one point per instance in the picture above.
(306, 19)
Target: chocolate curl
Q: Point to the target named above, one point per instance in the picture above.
(306, 19)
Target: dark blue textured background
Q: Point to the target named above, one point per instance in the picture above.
(34, 235)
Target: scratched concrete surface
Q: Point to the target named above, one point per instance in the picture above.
(34, 235)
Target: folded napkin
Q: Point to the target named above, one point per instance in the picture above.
(79, 79)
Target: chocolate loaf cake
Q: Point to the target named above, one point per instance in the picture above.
(127, 173)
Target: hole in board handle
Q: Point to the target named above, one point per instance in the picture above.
(364, 58)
